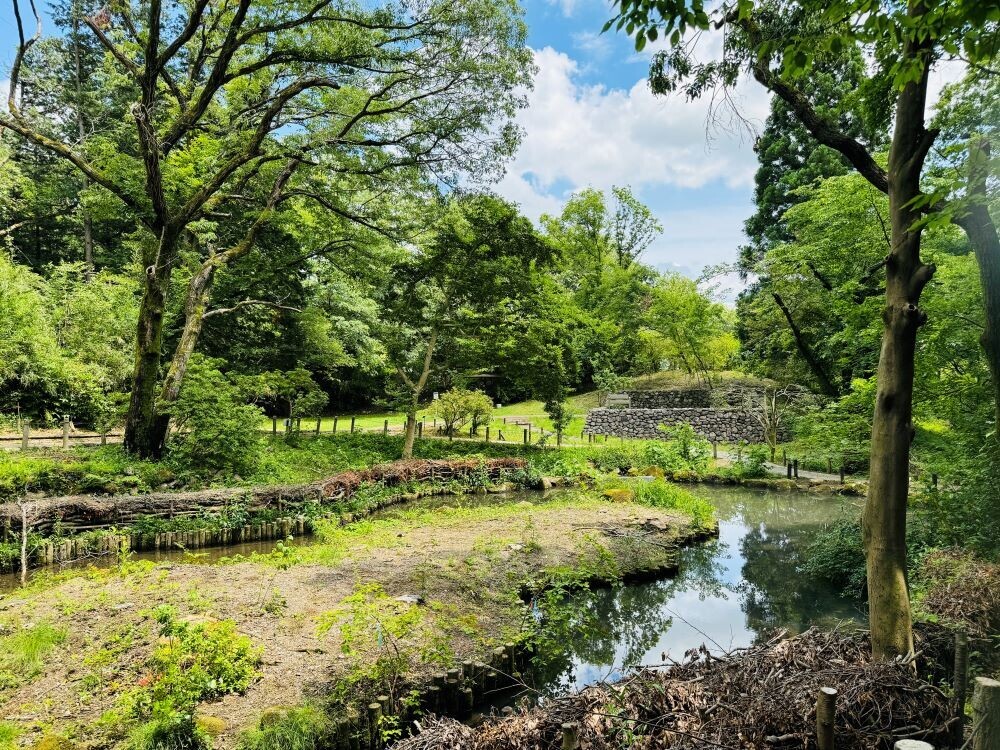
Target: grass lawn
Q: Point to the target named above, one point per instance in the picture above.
(524, 411)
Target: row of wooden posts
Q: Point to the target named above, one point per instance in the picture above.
(295, 425)
(985, 709)
(66, 434)
(455, 692)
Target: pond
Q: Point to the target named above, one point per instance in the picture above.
(728, 592)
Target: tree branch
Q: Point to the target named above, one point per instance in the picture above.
(248, 303)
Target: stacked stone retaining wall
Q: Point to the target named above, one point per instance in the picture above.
(681, 398)
(723, 425)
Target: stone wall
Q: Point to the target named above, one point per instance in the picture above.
(723, 425)
(689, 397)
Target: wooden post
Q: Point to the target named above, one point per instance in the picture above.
(784, 455)
(420, 429)
(24, 543)
(795, 467)
(274, 426)
(335, 425)
(487, 433)
(960, 680)
(298, 424)
(352, 425)
(570, 735)
(788, 466)
(65, 440)
(715, 449)
(526, 437)
(25, 434)
(374, 719)
(500, 436)
(934, 479)
(385, 427)
(319, 424)
(842, 473)
(986, 714)
(826, 712)
(829, 465)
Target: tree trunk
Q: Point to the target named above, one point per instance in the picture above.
(982, 233)
(416, 388)
(825, 382)
(884, 517)
(411, 428)
(145, 429)
(198, 296)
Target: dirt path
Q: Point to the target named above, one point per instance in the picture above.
(306, 607)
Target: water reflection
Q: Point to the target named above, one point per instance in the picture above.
(728, 593)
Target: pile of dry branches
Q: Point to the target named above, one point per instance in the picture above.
(963, 591)
(759, 697)
(84, 512)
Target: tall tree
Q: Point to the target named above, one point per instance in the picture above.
(468, 278)
(777, 42)
(228, 102)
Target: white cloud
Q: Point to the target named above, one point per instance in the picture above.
(593, 44)
(943, 73)
(579, 135)
(568, 7)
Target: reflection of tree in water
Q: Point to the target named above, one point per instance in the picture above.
(774, 593)
(616, 627)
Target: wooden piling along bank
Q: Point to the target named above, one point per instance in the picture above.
(73, 515)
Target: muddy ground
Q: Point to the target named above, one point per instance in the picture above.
(466, 565)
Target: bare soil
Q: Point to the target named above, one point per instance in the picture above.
(466, 565)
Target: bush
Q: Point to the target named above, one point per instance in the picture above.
(194, 662)
(837, 556)
(214, 431)
(751, 463)
(458, 406)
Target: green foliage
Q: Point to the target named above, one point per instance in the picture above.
(692, 449)
(659, 493)
(23, 652)
(296, 390)
(385, 639)
(195, 661)
(459, 407)
(300, 728)
(837, 557)
(64, 342)
(751, 463)
(214, 430)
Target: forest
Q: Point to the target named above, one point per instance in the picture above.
(312, 437)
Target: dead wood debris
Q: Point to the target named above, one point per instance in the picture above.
(760, 697)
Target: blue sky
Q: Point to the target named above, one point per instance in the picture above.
(593, 122)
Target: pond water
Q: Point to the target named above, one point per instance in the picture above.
(728, 592)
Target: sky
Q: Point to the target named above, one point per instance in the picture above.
(592, 122)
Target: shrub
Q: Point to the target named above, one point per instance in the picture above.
(458, 406)
(837, 556)
(194, 662)
(692, 449)
(617, 459)
(214, 431)
(751, 463)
